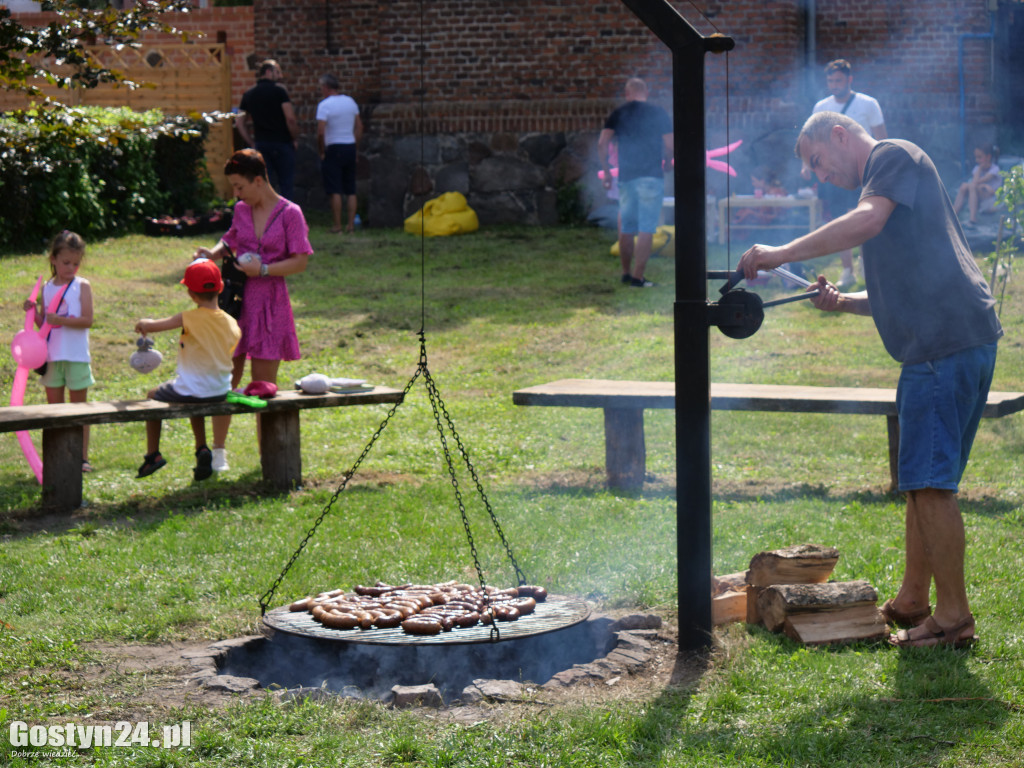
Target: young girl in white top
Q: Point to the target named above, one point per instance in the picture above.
(980, 190)
(67, 345)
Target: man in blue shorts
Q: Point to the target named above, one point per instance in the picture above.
(936, 317)
(643, 133)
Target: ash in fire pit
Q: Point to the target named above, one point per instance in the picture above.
(366, 670)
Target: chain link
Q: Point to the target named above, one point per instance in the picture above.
(441, 418)
(464, 452)
(269, 594)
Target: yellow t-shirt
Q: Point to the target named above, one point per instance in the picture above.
(208, 338)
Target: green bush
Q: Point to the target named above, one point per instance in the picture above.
(97, 171)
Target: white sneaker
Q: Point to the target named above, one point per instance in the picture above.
(847, 279)
(220, 460)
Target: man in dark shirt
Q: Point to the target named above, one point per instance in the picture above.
(275, 131)
(936, 317)
(643, 133)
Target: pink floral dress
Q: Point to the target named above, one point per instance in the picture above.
(267, 323)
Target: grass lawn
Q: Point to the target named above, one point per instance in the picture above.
(164, 560)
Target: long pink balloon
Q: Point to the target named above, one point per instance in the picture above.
(717, 165)
(18, 398)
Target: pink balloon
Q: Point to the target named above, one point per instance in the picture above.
(18, 387)
(24, 439)
(28, 348)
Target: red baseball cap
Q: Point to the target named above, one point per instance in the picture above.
(203, 276)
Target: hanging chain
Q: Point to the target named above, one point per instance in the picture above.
(265, 599)
(439, 409)
(464, 452)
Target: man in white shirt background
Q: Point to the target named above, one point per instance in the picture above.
(338, 130)
(866, 111)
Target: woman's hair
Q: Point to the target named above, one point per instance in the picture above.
(66, 239)
(248, 163)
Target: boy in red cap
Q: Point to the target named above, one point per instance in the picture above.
(208, 338)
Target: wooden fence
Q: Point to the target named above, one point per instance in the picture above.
(176, 78)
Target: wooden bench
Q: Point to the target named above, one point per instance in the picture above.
(736, 202)
(280, 454)
(624, 403)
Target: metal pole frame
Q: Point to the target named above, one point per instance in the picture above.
(691, 319)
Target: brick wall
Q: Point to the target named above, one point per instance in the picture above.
(521, 66)
(505, 57)
(516, 67)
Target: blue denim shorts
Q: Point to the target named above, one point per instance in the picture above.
(640, 202)
(940, 404)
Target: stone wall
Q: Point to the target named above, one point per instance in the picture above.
(514, 93)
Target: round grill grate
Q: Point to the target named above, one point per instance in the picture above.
(555, 613)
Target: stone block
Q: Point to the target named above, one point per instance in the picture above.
(405, 696)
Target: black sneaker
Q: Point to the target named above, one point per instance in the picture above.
(626, 278)
(151, 462)
(642, 282)
(204, 464)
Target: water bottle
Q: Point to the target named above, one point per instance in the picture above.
(358, 222)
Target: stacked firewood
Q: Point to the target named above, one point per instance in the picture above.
(788, 590)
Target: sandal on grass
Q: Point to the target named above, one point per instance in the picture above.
(900, 619)
(151, 463)
(936, 635)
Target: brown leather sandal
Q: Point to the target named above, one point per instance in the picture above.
(951, 636)
(900, 619)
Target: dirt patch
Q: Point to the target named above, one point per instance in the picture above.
(150, 681)
(144, 681)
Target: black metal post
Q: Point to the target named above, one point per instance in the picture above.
(692, 358)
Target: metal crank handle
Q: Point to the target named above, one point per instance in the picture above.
(788, 299)
(783, 272)
(734, 279)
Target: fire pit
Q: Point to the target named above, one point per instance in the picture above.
(293, 654)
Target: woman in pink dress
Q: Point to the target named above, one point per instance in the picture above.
(274, 229)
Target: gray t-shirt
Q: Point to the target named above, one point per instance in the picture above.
(928, 297)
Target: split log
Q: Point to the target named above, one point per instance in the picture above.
(753, 615)
(801, 564)
(735, 582)
(728, 607)
(860, 622)
(779, 601)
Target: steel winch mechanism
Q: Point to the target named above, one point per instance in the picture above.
(739, 313)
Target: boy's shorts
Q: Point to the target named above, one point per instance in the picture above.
(166, 393)
(64, 373)
(940, 404)
(640, 202)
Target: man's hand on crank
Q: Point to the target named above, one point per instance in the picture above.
(761, 257)
(830, 299)
(827, 299)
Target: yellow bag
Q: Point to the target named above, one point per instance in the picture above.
(448, 214)
(663, 235)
